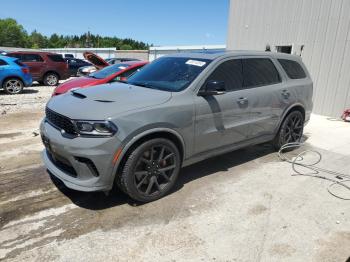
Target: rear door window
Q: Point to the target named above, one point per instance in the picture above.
(292, 68)
(19, 56)
(57, 58)
(31, 58)
(259, 72)
(229, 72)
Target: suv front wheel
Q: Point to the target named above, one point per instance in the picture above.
(51, 79)
(150, 170)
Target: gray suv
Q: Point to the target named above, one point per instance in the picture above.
(178, 110)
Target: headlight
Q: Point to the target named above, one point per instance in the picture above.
(95, 128)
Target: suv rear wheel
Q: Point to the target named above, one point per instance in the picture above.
(150, 170)
(51, 79)
(13, 86)
(291, 129)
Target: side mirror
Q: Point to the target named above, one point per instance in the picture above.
(213, 88)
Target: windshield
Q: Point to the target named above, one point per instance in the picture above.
(109, 70)
(169, 73)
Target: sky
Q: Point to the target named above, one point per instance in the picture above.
(157, 22)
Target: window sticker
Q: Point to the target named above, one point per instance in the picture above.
(195, 63)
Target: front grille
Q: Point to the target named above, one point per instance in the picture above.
(60, 122)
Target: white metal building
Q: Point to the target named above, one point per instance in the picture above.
(318, 30)
(158, 51)
(78, 52)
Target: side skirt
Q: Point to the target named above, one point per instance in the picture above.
(222, 150)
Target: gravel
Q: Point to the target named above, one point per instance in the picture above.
(32, 98)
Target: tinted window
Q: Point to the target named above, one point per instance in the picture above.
(230, 72)
(109, 70)
(31, 58)
(56, 58)
(292, 68)
(130, 72)
(2, 62)
(169, 73)
(126, 74)
(259, 72)
(15, 55)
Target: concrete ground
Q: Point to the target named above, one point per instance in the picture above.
(242, 206)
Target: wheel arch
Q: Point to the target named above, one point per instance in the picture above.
(167, 133)
(294, 107)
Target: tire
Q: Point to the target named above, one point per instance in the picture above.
(291, 129)
(146, 177)
(51, 79)
(13, 86)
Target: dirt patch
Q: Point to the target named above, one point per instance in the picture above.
(10, 135)
(257, 210)
(282, 250)
(336, 248)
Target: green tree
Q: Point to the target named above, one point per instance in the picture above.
(12, 34)
(54, 41)
(126, 47)
(37, 40)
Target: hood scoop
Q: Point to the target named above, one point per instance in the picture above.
(78, 95)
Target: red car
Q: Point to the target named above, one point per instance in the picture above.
(108, 74)
(46, 68)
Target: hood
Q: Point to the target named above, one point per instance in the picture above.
(77, 82)
(94, 59)
(105, 101)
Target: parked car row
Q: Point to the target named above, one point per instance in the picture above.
(98, 63)
(48, 68)
(74, 64)
(109, 74)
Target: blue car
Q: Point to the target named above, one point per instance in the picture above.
(14, 75)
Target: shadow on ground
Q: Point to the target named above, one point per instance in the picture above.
(100, 200)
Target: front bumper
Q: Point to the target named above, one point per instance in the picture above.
(81, 163)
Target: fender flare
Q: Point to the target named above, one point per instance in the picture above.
(286, 112)
(135, 138)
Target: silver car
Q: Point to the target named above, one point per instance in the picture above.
(176, 111)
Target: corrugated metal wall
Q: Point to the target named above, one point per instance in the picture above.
(322, 26)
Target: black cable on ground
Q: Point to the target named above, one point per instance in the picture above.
(336, 179)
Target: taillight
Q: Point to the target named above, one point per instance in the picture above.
(25, 70)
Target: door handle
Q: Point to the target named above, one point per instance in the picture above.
(285, 94)
(242, 100)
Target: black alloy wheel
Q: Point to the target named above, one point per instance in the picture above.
(291, 129)
(150, 170)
